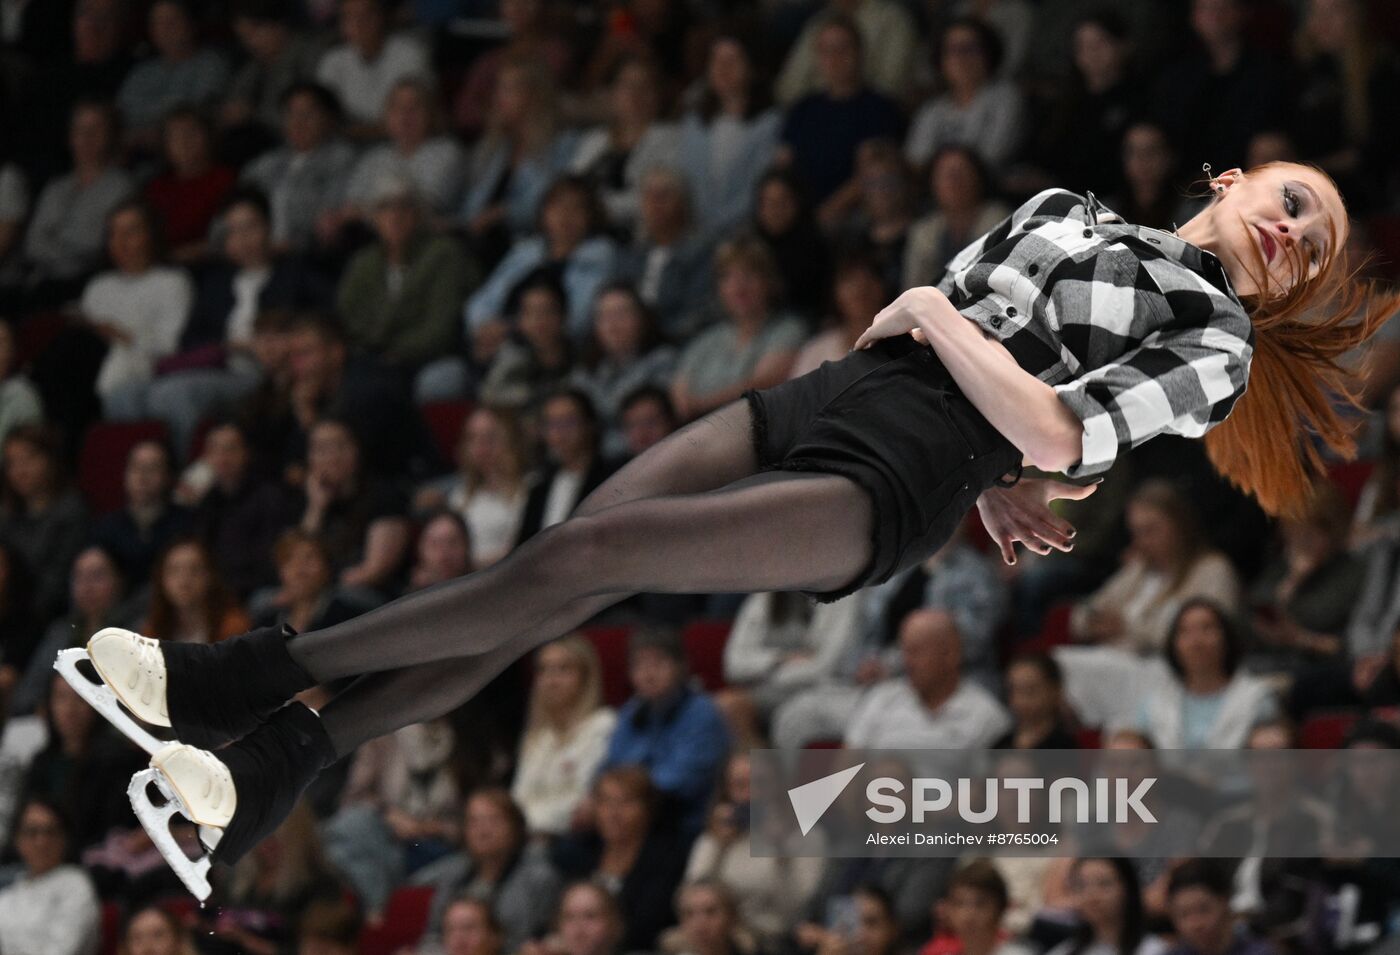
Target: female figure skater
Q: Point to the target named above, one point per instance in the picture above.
(1060, 338)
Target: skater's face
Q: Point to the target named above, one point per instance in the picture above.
(587, 925)
(40, 840)
(1202, 919)
(1287, 219)
(150, 933)
(1098, 893)
(185, 577)
(1029, 694)
(655, 674)
(705, 919)
(558, 679)
(95, 585)
(466, 930)
(1200, 643)
(147, 475)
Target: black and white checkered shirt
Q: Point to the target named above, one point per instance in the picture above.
(1139, 332)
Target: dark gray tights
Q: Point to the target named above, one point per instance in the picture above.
(690, 515)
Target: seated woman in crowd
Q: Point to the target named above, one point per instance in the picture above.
(1167, 562)
(499, 862)
(624, 352)
(959, 183)
(885, 208)
(491, 485)
(182, 72)
(156, 931)
(357, 516)
(530, 36)
(303, 179)
(1035, 696)
(569, 246)
(588, 921)
(615, 157)
(51, 908)
(708, 922)
(443, 551)
(469, 927)
(417, 151)
(538, 356)
(566, 736)
(191, 190)
(858, 293)
(770, 891)
(1380, 496)
(1150, 196)
(148, 520)
(783, 219)
(872, 929)
(139, 309)
(755, 344)
(189, 601)
(400, 296)
(41, 516)
(1107, 902)
(307, 598)
(1208, 702)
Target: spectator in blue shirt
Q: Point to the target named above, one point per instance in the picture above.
(674, 731)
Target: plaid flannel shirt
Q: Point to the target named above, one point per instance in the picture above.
(1138, 331)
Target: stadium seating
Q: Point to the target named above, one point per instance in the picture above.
(102, 461)
(403, 923)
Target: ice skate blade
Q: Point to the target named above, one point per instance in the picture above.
(156, 821)
(103, 699)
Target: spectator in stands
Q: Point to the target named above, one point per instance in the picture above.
(523, 150)
(1382, 689)
(1149, 195)
(239, 297)
(182, 73)
(1167, 563)
(972, 909)
(566, 736)
(469, 927)
(400, 297)
(978, 110)
(770, 890)
(822, 130)
(1199, 903)
(885, 209)
(156, 931)
(624, 352)
(139, 309)
(647, 416)
(329, 928)
(499, 863)
(931, 706)
(884, 26)
(672, 730)
(1380, 496)
(20, 403)
(418, 150)
(491, 485)
(782, 644)
(307, 598)
(573, 465)
(95, 594)
(570, 246)
(1035, 696)
(1214, 99)
(874, 930)
(64, 241)
(753, 347)
(615, 157)
(1306, 594)
(262, 903)
(668, 263)
(82, 769)
(41, 516)
(277, 58)
(1108, 906)
(189, 601)
(191, 190)
(304, 177)
(363, 69)
(963, 212)
(443, 551)
(708, 922)
(635, 855)
(242, 513)
(783, 220)
(14, 206)
(587, 922)
(905, 884)
(539, 355)
(148, 521)
(529, 38)
(359, 517)
(21, 625)
(1209, 703)
(51, 908)
(730, 139)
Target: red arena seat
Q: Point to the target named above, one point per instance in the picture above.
(102, 460)
(611, 645)
(704, 648)
(405, 919)
(444, 420)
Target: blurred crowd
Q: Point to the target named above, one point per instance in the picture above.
(309, 304)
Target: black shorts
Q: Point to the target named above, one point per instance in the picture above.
(892, 419)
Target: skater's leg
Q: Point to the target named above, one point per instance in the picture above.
(772, 531)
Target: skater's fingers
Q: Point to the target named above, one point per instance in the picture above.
(1008, 549)
(1072, 492)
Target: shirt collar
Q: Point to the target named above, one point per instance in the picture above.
(1197, 259)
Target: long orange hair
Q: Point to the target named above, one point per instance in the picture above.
(1266, 446)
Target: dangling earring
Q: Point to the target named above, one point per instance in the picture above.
(1218, 187)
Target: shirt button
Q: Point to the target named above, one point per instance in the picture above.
(996, 321)
(1033, 269)
(1011, 311)
(1154, 241)
(1088, 233)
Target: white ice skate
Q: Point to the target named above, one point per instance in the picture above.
(195, 784)
(131, 682)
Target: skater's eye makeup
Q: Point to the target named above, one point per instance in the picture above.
(1293, 206)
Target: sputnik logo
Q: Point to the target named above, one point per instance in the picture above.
(810, 801)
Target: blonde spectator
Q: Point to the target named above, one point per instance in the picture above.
(566, 734)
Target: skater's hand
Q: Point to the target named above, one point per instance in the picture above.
(1022, 513)
(901, 316)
